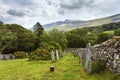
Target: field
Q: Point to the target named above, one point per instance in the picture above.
(67, 68)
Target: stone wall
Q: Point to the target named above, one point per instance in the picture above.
(6, 56)
(110, 50)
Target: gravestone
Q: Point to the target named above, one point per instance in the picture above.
(88, 64)
(53, 56)
(57, 55)
(80, 58)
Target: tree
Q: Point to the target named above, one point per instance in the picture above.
(1, 23)
(6, 38)
(25, 39)
(77, 38)
(103, 37)
(59, 37)
(38, 29)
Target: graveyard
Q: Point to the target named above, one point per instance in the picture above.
(67, 68)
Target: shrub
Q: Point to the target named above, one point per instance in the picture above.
(98, 66)
(20, 54)
(40, 54)
(116, 77)
(117, 32)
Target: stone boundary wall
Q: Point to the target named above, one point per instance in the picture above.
(110, 50)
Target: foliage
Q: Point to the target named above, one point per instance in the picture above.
(40, 54)
(98, 66)
(105, 27)
(55, 45)
(117, 32)
(116, 77)
(38, 29)
(77, 38)
(103, 37)
(6, 38)
(1, 23)
(58, 37)
(20, 55)
(25, 39)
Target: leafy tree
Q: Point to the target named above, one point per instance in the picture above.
(58, 37)
(25, 39)
(6, 38)
(77, 38)
(103, 37)
(38, 29)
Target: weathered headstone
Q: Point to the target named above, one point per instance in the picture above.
(88, 58)
(57, 55)
(80, 58)
(53, 56)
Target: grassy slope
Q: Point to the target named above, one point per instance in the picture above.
(67, 68)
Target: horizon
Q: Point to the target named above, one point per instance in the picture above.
(27, 13)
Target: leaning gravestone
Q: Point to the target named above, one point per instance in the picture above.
(53, 56)
(88, 58)
(57, 55)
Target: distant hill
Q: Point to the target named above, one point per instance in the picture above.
(73, 24)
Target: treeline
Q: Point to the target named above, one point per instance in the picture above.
(38, 43)
(80, 37)
(15, 39)
(105, 27)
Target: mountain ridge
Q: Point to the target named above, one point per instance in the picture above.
(68, 24)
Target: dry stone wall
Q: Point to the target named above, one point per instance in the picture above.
(110, 50)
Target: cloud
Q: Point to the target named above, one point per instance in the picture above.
(18, 2)
(75, 4)
(28, 12)
(15, 13)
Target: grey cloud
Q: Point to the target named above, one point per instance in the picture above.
(71, 5)
(15, 13)
(61, 11)
(19, 2)
(49, 2)
(75, 4)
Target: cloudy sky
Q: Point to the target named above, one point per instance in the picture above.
(28, 12)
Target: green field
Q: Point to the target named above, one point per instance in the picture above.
(67, 68)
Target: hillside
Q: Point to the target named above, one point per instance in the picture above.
(73, 24)
(67, 68)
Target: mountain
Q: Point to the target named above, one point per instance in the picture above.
(73, 24)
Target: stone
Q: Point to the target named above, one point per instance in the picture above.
(57, 55)
(80, 58)
(88, 64)
(53, 56)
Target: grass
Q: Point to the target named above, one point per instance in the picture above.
(111, 32)
(67, 68)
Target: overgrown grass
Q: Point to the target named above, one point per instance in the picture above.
(67, 68)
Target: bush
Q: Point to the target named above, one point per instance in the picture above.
(104, 37)
(20, 54)
(40, 54)
(98, 66)
(116, 77)
(117, 32)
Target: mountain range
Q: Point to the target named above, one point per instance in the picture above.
(73, 24)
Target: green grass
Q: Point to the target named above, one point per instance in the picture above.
(67, 68)
(112, 32)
